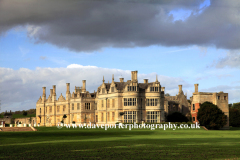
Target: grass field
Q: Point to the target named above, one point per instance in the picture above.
(54, 143)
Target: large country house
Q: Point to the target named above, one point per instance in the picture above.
(123, 101)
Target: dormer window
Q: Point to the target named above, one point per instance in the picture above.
(103, 90)
(112, 89)
(132, 88)
(153, 89)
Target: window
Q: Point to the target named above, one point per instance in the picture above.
(125, 101)
(152, 116)
(50, 109)
(87, 106)
(112, 89)
(129, 116)
(46, 109)
(134, 101)
(152, 89)
(40, 110)
(218, 97)
(72, 106)
(113, 116)
(193, 118)
(156, 102)
(102, 103)
(108, 103)
(151, 102)
(78, 106)
(108, 116)
(225, 97)
(103, 90)
(130, 102)
(58, 108)
(102, 117)
(113, 103)
(132, 88)
(193, 107)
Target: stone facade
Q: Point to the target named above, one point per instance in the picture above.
(113, 102)
(121, 101)
(220, 99)
(178, 103)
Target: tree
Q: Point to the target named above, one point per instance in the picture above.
(177, 117)
(234, 117)
(236, 105)
(64, 116)
(167, 94)
(25, 113)
(210, 116)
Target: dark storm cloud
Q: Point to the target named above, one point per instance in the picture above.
(89, 25)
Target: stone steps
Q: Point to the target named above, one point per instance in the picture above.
(15, 129)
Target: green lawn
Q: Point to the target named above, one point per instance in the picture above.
(54, 143)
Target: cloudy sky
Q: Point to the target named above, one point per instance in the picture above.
(45, 43)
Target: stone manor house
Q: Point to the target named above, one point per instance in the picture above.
(125, 102)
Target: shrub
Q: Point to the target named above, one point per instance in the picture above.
(25, 113)
(177, 117)
(210, 116)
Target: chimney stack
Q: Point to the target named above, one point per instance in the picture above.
(51, 92)
(84, 86)
(54, 96)
(44, 94)
(163, 89)
(68, 87)
(134, 76)
(196, 87)
(145, 81)
(180, 88)
(54, 90)
(68, 94)
(121, 79)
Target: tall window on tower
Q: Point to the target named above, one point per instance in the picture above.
(87, 106)
(193, 107)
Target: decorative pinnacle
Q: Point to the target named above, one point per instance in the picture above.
(103, 79)
(156, 78)
(113, 77)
